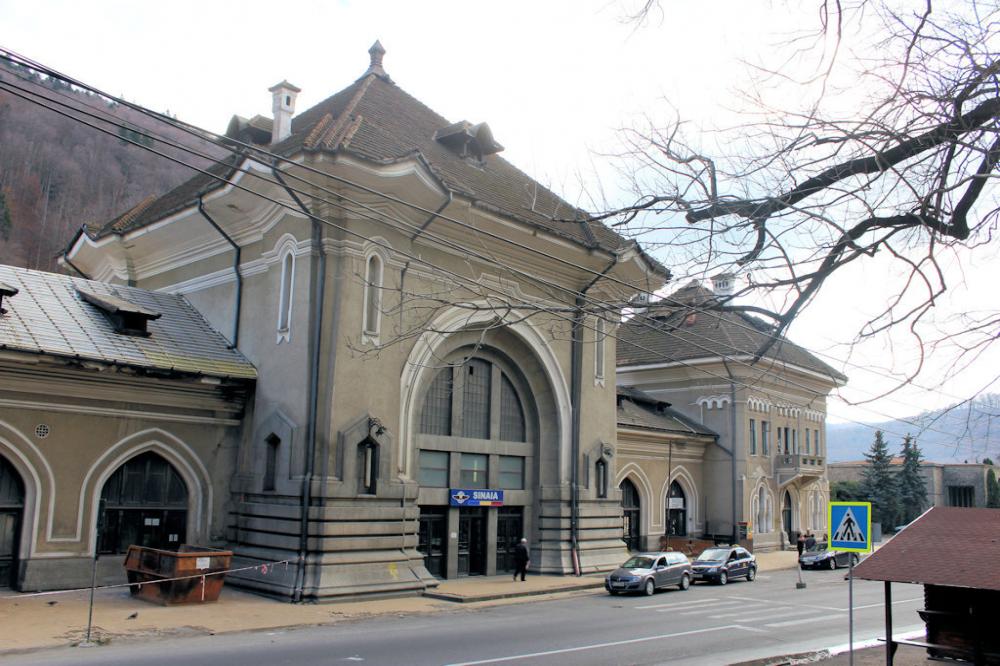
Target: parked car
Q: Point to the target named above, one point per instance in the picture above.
(821, 557)
(647, 572)
(721, 564)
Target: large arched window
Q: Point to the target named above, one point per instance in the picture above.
(786, 514)
(676, 511)
(373, 296)
(631, 516)
(11, 508)
(460, 401)
(285, 292)
(144, 503)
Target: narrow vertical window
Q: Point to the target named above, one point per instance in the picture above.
(285, 297)
(367, 467)
(599, 340)
(272, 443)
(808, 444)
(373, 295)
(753, 437)
(601, 476)
(765, 430)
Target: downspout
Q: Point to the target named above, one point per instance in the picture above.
(316, 294)
(434, 215)
(732, 447)
(238, 251)
(576, 380)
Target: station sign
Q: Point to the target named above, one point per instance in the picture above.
(851, 523)
(481, 497)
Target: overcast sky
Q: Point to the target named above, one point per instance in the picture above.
(555, 81)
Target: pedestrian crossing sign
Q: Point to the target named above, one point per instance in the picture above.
(851, 525)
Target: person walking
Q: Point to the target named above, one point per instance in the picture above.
(800, 543)
(521, 559)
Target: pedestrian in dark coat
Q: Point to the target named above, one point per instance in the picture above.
(521, 559)
(810, 541)
(800, 543)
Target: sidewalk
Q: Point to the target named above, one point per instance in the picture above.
(31, 622)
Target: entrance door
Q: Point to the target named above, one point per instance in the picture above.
(786, 514)
(676, 511)
(11, 506)
(510, 529)
(433, 542)
(145, 503)
(631, 515)
(471, 542)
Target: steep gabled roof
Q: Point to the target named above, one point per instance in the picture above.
(683, 327)
(51, 315)
(375, 120)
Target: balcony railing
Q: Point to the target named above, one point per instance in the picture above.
(789, 465)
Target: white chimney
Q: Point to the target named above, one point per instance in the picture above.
(282, 106)
(724, 284)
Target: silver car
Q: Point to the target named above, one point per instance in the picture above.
(647, 572)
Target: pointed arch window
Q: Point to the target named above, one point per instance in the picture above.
(285, 292)
(144, 503)
(601, 477)
(373, 296)
(631, 515)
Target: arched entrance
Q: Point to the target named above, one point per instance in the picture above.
(786, 514)
(631, 516)
(145, 502)
(11, 509)
(676, 511)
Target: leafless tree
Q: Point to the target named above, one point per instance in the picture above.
(876, 139)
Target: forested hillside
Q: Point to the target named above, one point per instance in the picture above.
(57, 174)
(965, 432)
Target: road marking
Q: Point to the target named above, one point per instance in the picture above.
(788, 603)
(715, 607)
(770, 616)
(792, 623)
(677, 605)
(880, 604)
(597, 646)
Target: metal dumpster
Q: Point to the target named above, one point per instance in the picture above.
(147, 566)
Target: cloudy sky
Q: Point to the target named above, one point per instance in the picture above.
(556, 81)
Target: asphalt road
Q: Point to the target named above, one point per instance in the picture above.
(708, 624)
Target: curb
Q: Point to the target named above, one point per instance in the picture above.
(465, 599)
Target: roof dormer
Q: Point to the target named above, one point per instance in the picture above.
(8, 291)
(468, 140)
(127, 317)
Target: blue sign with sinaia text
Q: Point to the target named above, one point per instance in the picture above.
(483, 497)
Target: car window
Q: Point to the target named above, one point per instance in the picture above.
(734, 556)
(743, 553)
(638, 563)
(713, 554)
(662, 562)
(680, 558)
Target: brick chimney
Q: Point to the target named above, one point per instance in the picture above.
(282, 107)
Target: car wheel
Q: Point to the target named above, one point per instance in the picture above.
(723, 578)
(751, 574)
(832, 563)
(685, 582)
(650, 587)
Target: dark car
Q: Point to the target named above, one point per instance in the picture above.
(647, 572)
(821, 557)
(721, 564)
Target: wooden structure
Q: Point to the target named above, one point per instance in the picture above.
(955, 554)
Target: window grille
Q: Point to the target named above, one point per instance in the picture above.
(511, 412)
(476, 399)
(435, 418)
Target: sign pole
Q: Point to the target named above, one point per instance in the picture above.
(850, 609)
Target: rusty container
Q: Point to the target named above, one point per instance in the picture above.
(150, 573)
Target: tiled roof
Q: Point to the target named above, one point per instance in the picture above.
(48, 316)
(683, 327)
(376, 120)
(641, 410)
(952, 546)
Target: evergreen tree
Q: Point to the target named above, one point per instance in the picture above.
(910, 484)
(992, 490)
(879, 484)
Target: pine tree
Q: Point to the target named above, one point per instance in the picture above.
(879, 484)
(992, 490)
(910, 484)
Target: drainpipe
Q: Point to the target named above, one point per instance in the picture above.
(576, 379)
(237, 253)
(316, 295)
(434, 215)
(732, 447)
